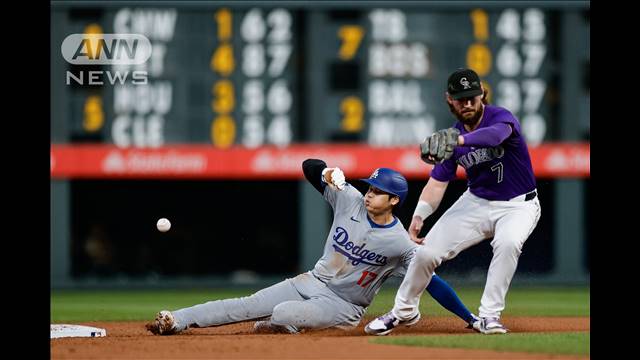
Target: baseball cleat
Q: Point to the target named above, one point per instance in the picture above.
(164, 324)
(386, 323)
(470, 324)
(262, 327)
(266, 327)
(489, 326)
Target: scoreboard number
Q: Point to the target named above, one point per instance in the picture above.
(353, 110)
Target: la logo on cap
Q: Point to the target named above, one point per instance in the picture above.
(375, 174)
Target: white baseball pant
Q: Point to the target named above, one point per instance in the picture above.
(469, 221)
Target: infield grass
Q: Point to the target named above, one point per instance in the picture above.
(548, 301)
(135, 305)
(570, 343)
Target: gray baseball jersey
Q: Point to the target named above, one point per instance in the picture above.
(359, 255)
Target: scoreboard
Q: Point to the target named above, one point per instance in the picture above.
(240, 93)
(400, 60)
(256, 74)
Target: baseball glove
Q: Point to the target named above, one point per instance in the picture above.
(439, 146)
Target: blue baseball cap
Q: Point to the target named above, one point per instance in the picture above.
(389, 181)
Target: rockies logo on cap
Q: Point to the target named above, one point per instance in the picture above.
(463, 83)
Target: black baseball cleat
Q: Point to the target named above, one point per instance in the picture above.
(387, 322)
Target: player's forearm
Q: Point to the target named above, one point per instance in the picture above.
(312, 169)
(486, 137)
(433, 192)
(430, 198)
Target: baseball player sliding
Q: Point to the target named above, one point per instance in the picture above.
(366, 245)
(500, 202)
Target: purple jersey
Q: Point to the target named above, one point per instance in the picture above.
(494, 173)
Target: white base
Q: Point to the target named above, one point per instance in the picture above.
(67, 330)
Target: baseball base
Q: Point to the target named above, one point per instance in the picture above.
(68, 330)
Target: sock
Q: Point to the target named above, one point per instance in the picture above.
(447, 297)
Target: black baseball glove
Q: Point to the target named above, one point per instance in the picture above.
(439, 146)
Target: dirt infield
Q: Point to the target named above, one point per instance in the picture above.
(130, 340)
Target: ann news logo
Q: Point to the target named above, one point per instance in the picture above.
(119, 50)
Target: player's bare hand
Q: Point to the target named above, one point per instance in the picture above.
(414, 229)
(334, 177)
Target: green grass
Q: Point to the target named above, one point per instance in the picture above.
(131, 305)
(573, 343)
(106, 305)
(549, 301)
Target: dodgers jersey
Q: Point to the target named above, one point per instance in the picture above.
(499, 173)
(359, 255)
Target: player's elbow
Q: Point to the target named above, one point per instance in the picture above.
(504, 131)
(313, 165)
(312, 169)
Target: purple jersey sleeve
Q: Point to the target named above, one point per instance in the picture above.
(503, 116)
(490, 136)
(445, 171)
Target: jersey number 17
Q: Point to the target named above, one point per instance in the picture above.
(366, 274)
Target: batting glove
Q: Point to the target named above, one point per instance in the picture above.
(337, 178)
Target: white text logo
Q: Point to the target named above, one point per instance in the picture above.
(106, 49)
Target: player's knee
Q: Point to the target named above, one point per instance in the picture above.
(509, 244)
(298, 315)
(284, 313)
(429, 256)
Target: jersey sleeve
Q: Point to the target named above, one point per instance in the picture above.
(339, 199)
(506, 117)
(489, 136)
(312, 169)
(445, 171)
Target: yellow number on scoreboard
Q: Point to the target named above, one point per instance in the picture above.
(480, 21)
(223, 97)
(93, 114)
(479, 59)
(223, 18)
(223, 131)
(351, 36)
(222, 60)
(353, 111)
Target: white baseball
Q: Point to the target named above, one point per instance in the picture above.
(163, 225)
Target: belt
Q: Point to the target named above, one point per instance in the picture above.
(530, 196)
(525, 197)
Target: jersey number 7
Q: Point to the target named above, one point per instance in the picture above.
(362, 282)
